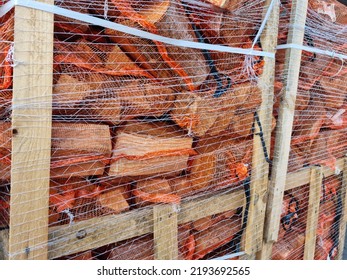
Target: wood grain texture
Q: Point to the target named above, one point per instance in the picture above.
(100, 231)
(260, 167)
(343, 220)
(302, 177)
(313, 212)
(285, 121)
(31, 142)
(165, 232)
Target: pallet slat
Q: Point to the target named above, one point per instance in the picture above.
(31, 124)
(313, 212)
(343, 220)
(165, 230)
(260, 167)
(100, 231)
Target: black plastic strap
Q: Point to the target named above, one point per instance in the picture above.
(285, 221)
(261, 134)
(220, 90)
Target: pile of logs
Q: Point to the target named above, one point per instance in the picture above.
(138, 122)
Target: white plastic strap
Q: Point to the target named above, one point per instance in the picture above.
(229, 256)
(266, 18)
(129, 30)
(313, 50)
(4, 9)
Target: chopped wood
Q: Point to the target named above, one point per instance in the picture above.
(149, 149)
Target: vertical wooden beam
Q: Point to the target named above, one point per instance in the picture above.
(343, 220)
(165, 232)
(31, 141)
(260, 167)
(313, 212)
(284, 126)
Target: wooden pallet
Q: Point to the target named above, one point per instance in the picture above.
(314, 176)
(32, 184)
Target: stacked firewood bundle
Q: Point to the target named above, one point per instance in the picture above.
(294, 217)
(320, 120)
(137, 121)
(320, 124)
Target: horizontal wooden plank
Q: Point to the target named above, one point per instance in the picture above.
(302, 177)
(96, 232)
(205, 206)
(100, 231)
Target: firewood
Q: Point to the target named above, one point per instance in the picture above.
(142, 248)
(5, 150)
(154, 191)
(149, 149)
(79, 149)
(219, 162)
(327, 147)
(216, 236)
(181, 186)
(202, 114)
(291, 247)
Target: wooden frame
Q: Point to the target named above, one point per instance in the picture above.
(100, 231)
(316, 177)
(31, 127)
(260, 167)
(343, 193)
(25, 240)
(284, 128)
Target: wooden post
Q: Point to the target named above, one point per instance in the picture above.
(165, 231)
(313, 212)
(31, 127)
(260, 167)
(284, 127)
(343, 220)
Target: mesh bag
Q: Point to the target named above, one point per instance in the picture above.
(220, 163)
(156, 145)
(5, 151)
(76, 199)
(88, 95)
(142, 248)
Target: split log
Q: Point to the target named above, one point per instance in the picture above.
(77, 150)
(142, 248)
(101, 83)
(330, 10)
(291, 247)
(219, 234)
(144, 149)
(329, 146)
(154, 191)
(220, 162)
(79, 199)
(183, 68)
(203, 114)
